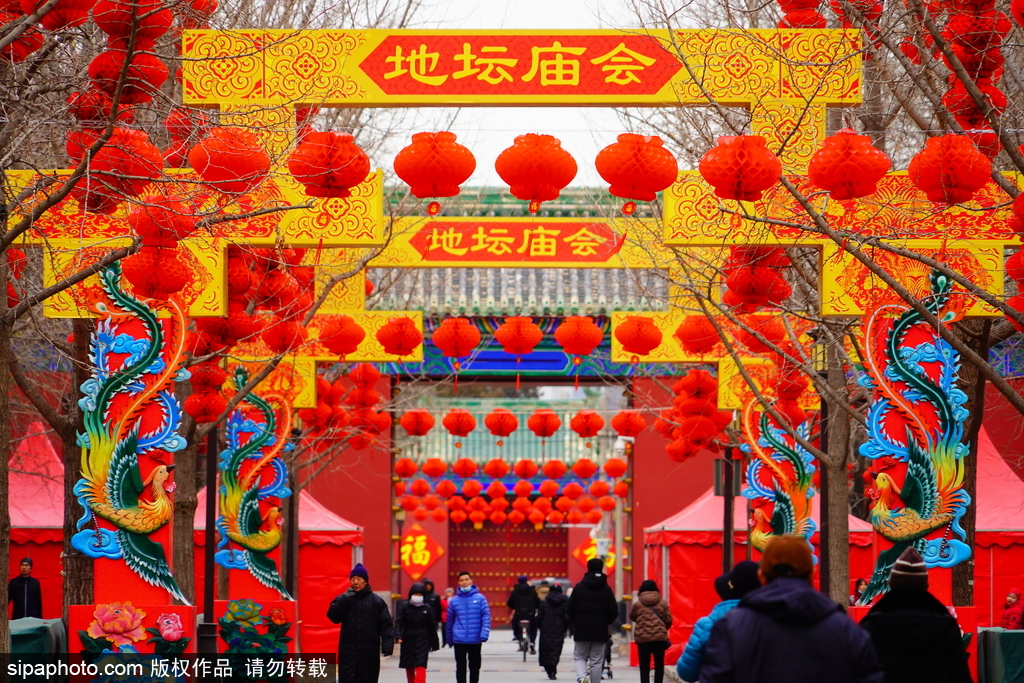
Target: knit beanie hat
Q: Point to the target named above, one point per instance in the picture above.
(359, 570)
(523, 578)
(648, 586)
(26, 560)
(595, 566)
(909, 571)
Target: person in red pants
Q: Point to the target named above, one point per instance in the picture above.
(416, 630)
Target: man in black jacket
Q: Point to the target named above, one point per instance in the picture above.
(592, 610)
(431, 598)
(787, 632)
(524, 602)
(25, 592)
(915, 636)
(367, 631)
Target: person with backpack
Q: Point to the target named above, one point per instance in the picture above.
(653, 620)
(416, 630)
(553, 620)
(468, 626)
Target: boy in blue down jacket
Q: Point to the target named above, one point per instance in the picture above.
(468, 626)
(730, 587)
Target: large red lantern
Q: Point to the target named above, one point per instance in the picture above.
(399, 336)
(522, 504)
(471, 488)
(621, 489)
(544, 422)
(434, 467)
(143, 75)
(587, 424)
(445, 488)
(518, 335)
(516, 518)
(548, 488)
(555, 517)
(124, 166)
(161, 220)
(638, 335)
(585, 468)
(564, 504)
(572, 491)
(496, 490)
(637, 167)
(456, 338)
(629, 423)
(536, 518)
(848, 165)
(155, 273)
(574, 517)
(65, 14)
(329, 164)
(543, 504)
(578, 336)
(409, 503)
(555, 469)
(501, 422)
(421, 514)
(536, 168)
(439, 515)
(417, 422)
(457, 516)
(341, 335)
(364, 375)
(496, 468)
(740, 167)
(230, 160)
(615, 467)
(406, 467)
(950, 169)
(434, 165)
(498, 517)
(459, 422)
(697, 335)
(419, 487)
(525, 469)
(150, 19)
(585, 504)
(606, 503)
(464, 467)
(599, 488)
(500, 504)
(524, 489)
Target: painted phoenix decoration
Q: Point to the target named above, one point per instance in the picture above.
(915, 435)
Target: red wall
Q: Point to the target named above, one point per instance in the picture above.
(357, 486)
(661, 487)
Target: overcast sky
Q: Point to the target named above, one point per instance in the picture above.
(487, 131)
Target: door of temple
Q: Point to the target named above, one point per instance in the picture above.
(496, 555)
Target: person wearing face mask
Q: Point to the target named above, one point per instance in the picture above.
(469, 626)
(367, 631)
(416, 630)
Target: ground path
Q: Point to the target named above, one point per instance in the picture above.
(502, 663)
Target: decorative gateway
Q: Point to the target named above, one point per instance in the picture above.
(254, 479)
(915, 432)
(131, 418)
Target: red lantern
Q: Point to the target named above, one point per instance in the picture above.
(518, 335)
(496, 468)
(471, 488)
(555, 517)
(364, 375)
(419, 487)
(459, 422)
(498, 517)
(740, 167)
(548, 488)
(697, 335)
(434, 165)
(543, 505)
(329, 164)
(205, 406)
(595, 516)
(544, 422)
(496, 490)
(399, 489)
(445, 488)
(155, 273)
(500, 504)
(230, 160)
(949, 170)
(585, 468)
(848, 166)
(574, 517)
(1017, 304)
(124, 166)
(117, 18)
(501, 422)
(341, 335)
(555, 469)
(606, 503)
(599, 488)
(464, 467)
(417, 422)
(406, 467)
(564, 504)
(629, 423)
(536, 168)
(516, 518)
(525, 469)
(456, 503)
(621, 489)
(770, 327)
(521, 504)
(615, 467)
(572, 491)
(585, 504)
(363, 397)
(638, 335)
(523, 489)
(399, 336)
(439, 515)
(578, 336)
(409, 503)
(637, 167)
(1014, 266)
(421, 514)
(434, 467)
(457, 516)
(536, 518)
(143, 76)
(65, 14)
(456, 338)
(587, 423)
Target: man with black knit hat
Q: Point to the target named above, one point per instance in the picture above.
(367, 631)
(26, 593)
(591, 609)
(787, 632)
(915, 636)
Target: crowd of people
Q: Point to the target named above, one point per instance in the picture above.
(771, 626)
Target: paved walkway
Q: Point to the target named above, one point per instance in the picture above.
(502, 663)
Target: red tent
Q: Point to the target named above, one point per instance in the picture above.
(37, 514)
(328, 548)
(684, 552)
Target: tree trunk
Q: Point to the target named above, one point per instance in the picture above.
(5, 454)
(78, 567)
(185, 502)
(838, 494)
(971, 382)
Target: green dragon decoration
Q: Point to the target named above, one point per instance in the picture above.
(253, 481)
(129, 410)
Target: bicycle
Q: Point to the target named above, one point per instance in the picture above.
(524, 637)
